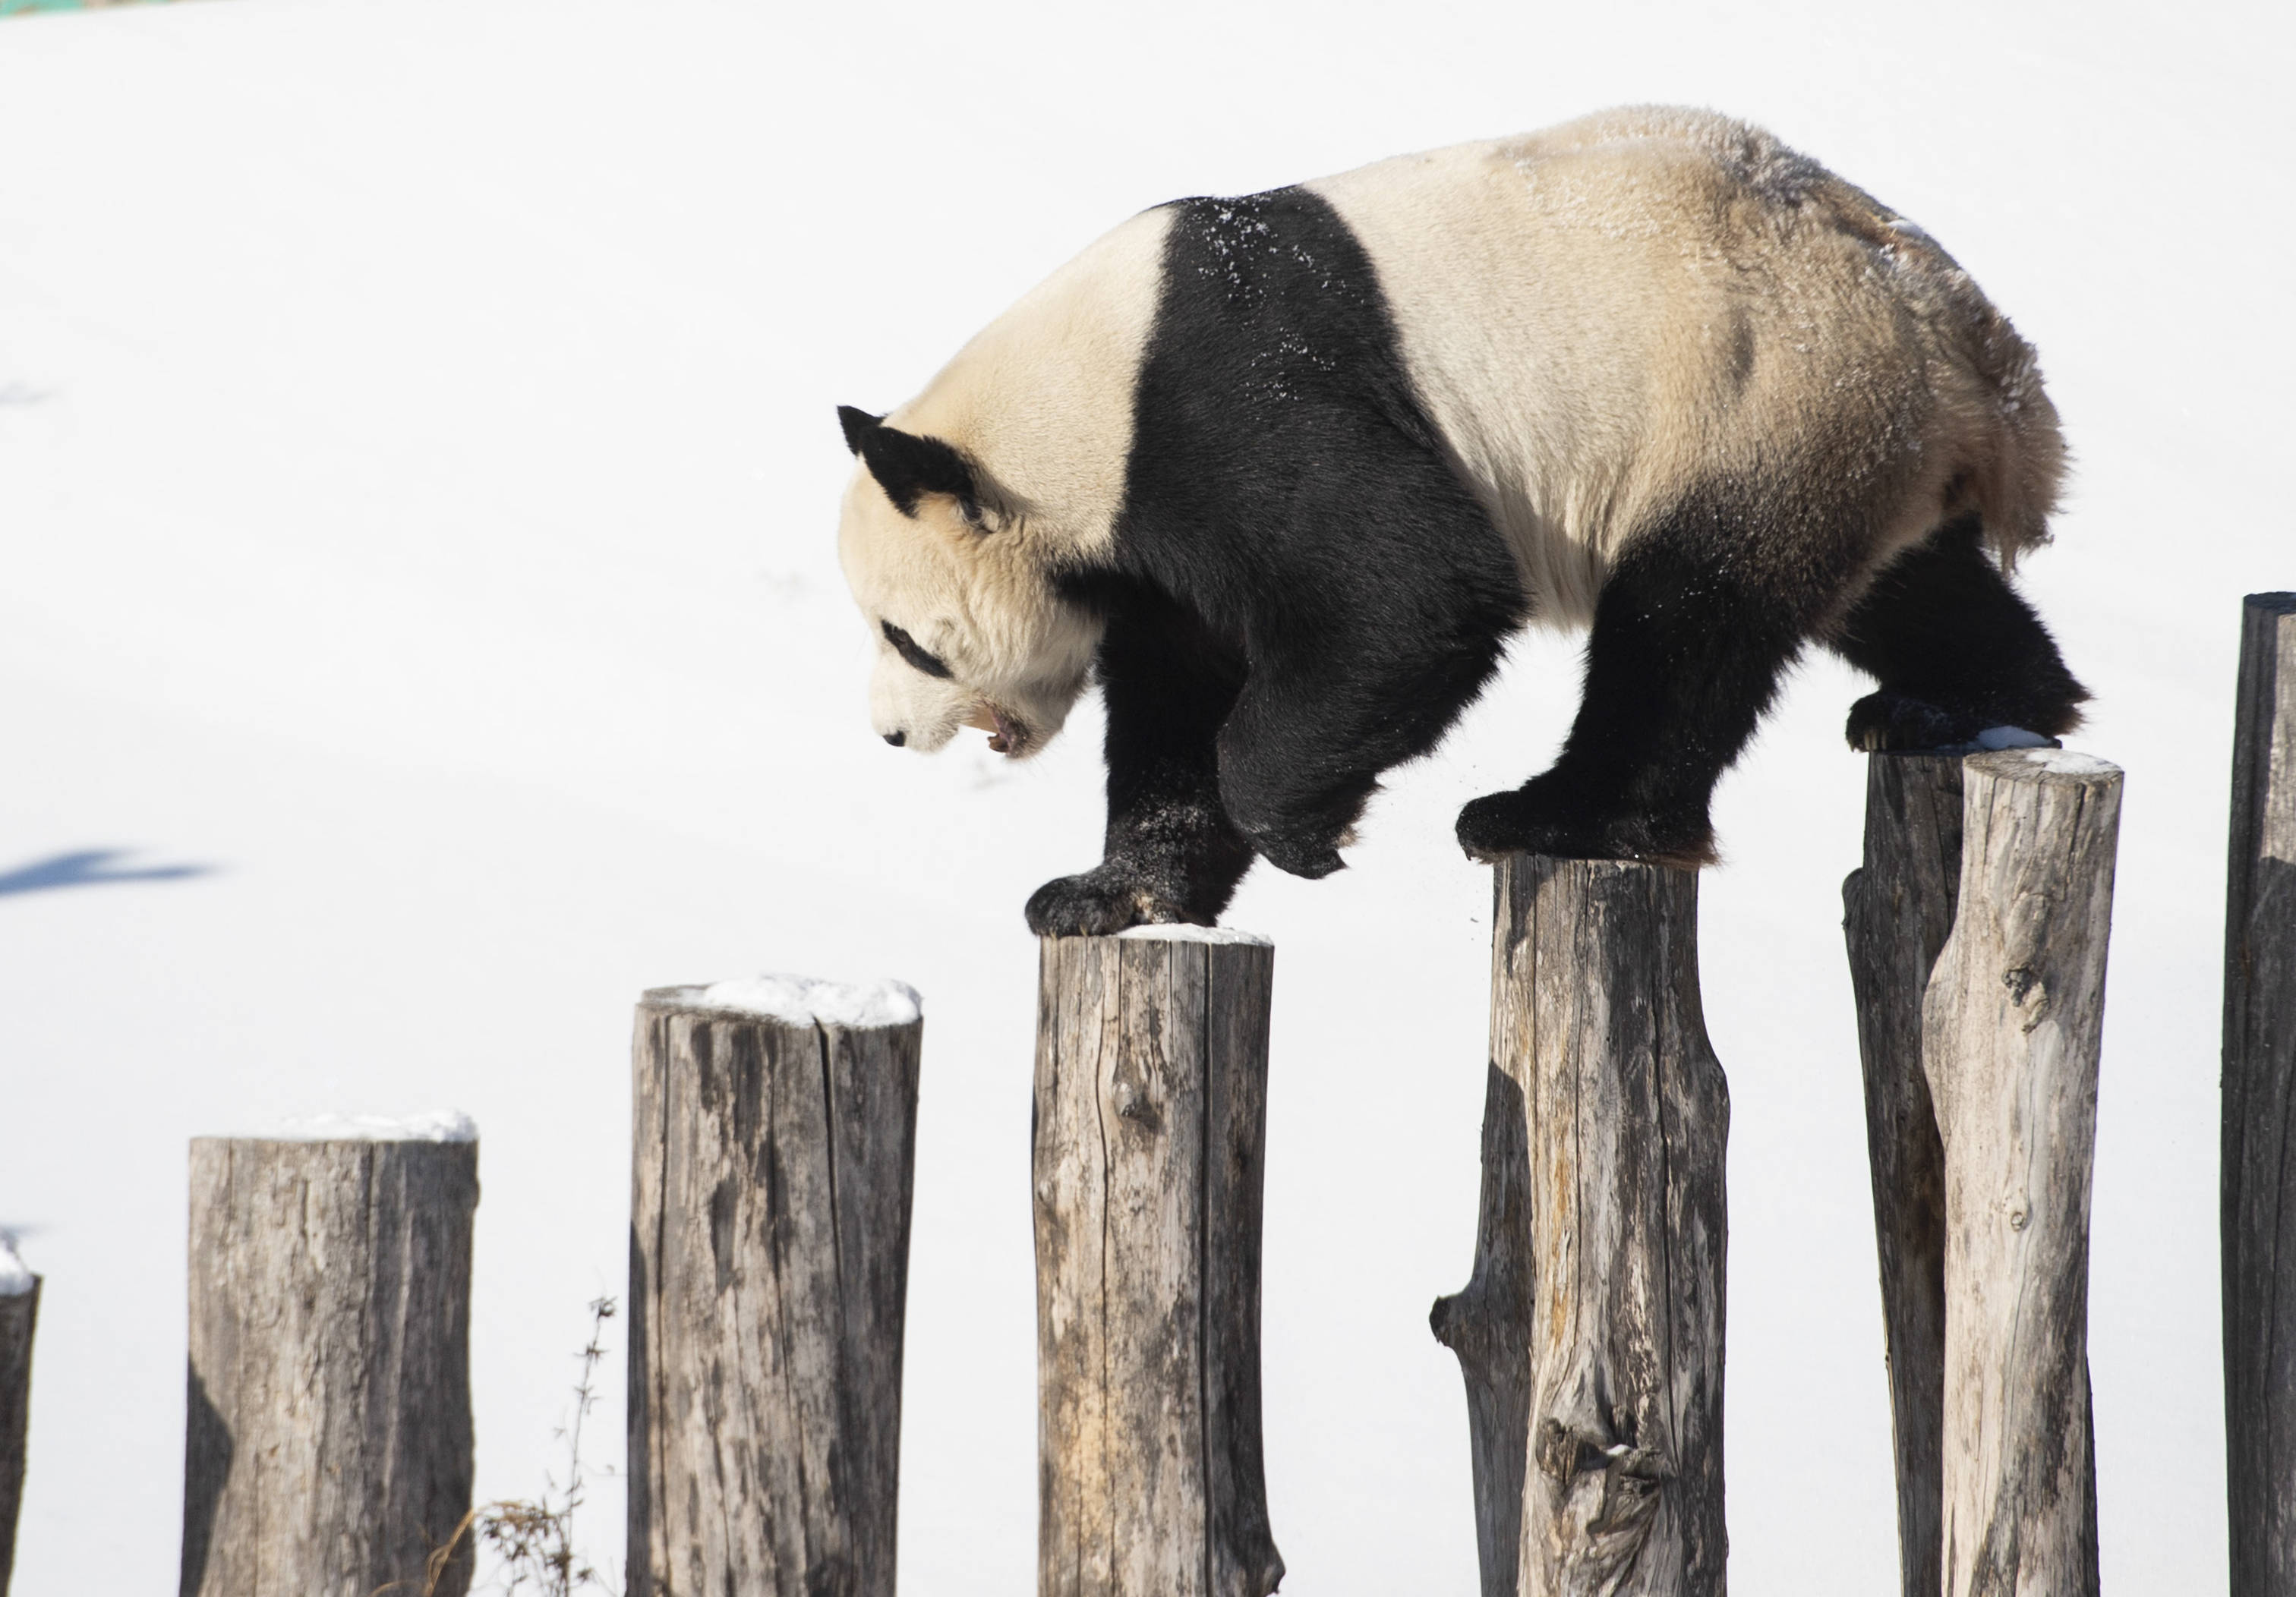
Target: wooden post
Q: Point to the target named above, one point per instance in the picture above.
(1590, 1335)
(774, 1126)
(20, 1312)
(2011, 1025)
(1900, 908)
(1152, 1073)
(2259, 1097)
(327, 1446)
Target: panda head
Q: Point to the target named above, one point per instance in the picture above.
(957, 591)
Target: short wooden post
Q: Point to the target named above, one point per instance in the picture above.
(1151, 1071)
(2011, 1026)
(327, 1447)
(2260, 1098)
(1900, 908)
(1590, 1335)
(20, 1312)
(774, 1127)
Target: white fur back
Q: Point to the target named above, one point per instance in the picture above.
(1602, 315)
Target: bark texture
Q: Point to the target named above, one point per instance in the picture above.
(1591, 1332)
(327, 1446)
(1152, 1073)
(2012, 1024)
(770, 1175)
(20, 1312)
(2259, 1109)
(1898, 911)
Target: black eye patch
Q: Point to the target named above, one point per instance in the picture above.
(907, 647)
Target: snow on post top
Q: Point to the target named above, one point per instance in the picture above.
(804, 1001)
(2064, 762)
(1181, 932)
(439, 1126)
(16, 1277)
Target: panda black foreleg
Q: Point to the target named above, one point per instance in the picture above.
(1171, 852)
(1685, 655)
(1955, 650)
(1322, 717)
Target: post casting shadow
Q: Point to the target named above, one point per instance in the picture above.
(88, 868)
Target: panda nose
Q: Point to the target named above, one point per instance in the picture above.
(896, 738)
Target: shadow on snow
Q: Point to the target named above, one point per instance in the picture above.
(88, 868)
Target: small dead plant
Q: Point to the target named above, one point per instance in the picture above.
(531, 1540)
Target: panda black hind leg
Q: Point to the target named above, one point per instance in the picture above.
(1956, 650)
(1685, 654)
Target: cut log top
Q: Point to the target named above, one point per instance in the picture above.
(437, 1126)
(2055, 766)
(800, 1001)
(1181, 932)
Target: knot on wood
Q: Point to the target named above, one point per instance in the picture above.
(1133, 1104)
(1443, 1319)
(1631, 1476)
(2024, 982)
(1564, 1454)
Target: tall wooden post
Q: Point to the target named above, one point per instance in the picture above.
(774, 1127)
(1590, 1335)
(20, 1313)
(1899, 910)
(1151, 1071)
(2260, 1100)
(2012, 1027)
(1980, 975)
(327, 1448)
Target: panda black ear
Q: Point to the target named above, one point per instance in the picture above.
(909, 466)
(858, 424)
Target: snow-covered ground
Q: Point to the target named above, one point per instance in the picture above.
(417, 607)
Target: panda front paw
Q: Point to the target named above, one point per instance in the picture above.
(1546, 817)
(1100, 903)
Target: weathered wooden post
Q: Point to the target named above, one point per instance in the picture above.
(20, 1312)
(2012, 1027)
(1590, 1335)
(1977, 930)
(774, 1127)
(2260, 1098)
(1152, 1078)
(327, 1446)
(1899, 910)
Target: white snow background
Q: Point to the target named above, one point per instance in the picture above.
(417, 477)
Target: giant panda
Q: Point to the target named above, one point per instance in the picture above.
(1285, 472)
